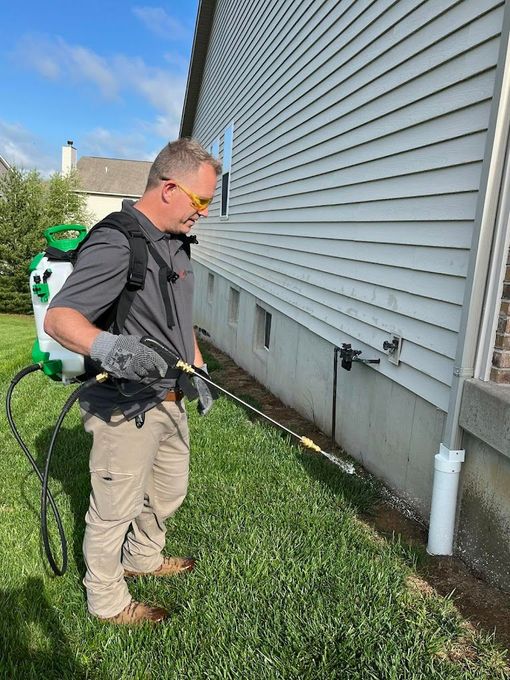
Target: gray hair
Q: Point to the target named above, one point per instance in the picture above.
(181, 157)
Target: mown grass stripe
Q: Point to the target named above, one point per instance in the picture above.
(290, 583)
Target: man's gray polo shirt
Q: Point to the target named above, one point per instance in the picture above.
(97, 281)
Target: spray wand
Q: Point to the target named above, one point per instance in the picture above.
(189, 369)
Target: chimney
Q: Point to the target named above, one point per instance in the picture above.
(68, 157)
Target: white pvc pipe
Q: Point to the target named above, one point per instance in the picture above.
(447, 462)
(447, 466)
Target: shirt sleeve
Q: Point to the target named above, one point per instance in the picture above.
(99, 275)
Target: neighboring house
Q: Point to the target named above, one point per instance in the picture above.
(106, 181)
(364, 200)
(4, 166)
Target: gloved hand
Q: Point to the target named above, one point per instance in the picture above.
(205, 396)
(123, 356)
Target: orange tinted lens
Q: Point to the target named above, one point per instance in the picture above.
(197, 202)
(201, 203)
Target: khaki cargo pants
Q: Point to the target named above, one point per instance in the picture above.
(139, 478)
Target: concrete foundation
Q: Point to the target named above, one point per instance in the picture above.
(483, 536)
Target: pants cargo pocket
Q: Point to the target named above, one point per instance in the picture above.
(117, 495)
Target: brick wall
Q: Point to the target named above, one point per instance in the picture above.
(500, 372)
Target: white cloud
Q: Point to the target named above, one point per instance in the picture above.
(131, 144)
(22, 148)
(102, 142)
(176, 60)
(115, 78)
(56, 59)
(162, 88)
(84, 63)
(159, 22)
(47, 67)
(167, 127)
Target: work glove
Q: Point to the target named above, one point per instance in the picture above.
(123, 356)
(205, 396)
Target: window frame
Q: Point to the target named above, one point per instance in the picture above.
(233, 305)
(226, 171)
(210, 287)
(263, 327)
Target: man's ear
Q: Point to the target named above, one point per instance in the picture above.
(167, 190)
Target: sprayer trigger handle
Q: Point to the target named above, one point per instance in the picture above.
(166, 354)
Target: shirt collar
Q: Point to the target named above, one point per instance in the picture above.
(148, 227)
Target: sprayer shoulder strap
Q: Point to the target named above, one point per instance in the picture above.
(167, 276)
(138, 243)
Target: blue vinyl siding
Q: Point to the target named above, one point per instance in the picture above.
(360, 130)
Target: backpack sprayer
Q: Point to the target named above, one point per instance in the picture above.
(48, 272)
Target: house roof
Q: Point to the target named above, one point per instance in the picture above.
(112, 175)
(205, 16)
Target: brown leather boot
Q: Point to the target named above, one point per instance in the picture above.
(136, 613)
(169, 567)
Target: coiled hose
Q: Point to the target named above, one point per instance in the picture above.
(46, 495)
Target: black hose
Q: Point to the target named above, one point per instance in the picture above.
(45, 493)
(33, 463)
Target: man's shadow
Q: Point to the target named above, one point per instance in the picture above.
(70, 466)
(28, 619)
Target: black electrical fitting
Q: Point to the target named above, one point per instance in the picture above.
(348, 355)
(390, 346)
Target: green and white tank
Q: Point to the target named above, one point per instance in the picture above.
(47, 276)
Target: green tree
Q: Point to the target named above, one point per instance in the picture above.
(28, 205)
(63, 205)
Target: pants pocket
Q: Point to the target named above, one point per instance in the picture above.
(116, 495)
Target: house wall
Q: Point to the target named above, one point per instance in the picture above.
(359, 137)
(483, 536)
(100, 206)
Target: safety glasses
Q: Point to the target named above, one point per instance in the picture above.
(197, 202)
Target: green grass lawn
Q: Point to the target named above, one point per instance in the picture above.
(289, 584)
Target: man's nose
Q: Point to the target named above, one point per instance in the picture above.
(204, 212)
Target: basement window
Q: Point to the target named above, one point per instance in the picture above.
(233, 306)
(210, 288)
(263, 328)
(228, 141)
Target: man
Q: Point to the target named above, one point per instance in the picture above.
(140, 454)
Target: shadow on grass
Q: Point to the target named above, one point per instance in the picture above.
(255, 403)
(359, 493)
(70, 466)
(33, 643)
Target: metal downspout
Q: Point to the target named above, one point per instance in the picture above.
(448, 461)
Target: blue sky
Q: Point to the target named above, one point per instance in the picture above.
(109, 75)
